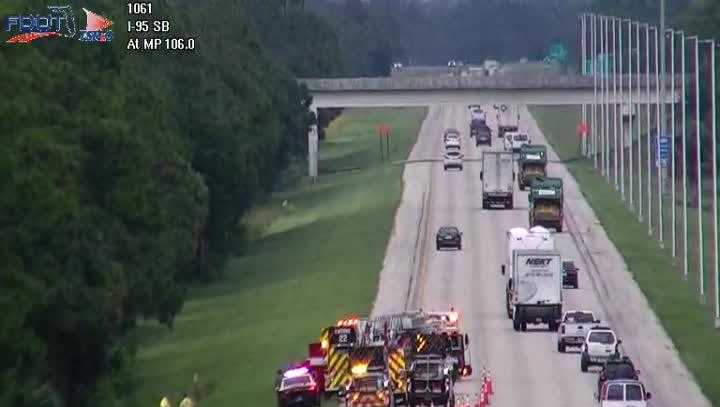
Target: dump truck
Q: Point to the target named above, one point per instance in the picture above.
(546, 203)
(532, 164)
(498, 179)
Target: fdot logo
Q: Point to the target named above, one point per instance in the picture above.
(59, 22)
(95, 28)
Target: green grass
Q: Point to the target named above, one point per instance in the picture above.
(687, 321)
(315, 260)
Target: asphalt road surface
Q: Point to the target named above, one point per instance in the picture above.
(526, 368)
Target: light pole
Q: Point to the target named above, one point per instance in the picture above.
(632, 115)
(639, 128)
(672, 142)
(615, 103)
(684, 152)
(622, 104)
(607, 99)
(714, 164)
(583, 69)
(593, 51)
(649, 124)
(658, 36)
(701, 243)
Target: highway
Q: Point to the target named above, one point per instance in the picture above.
(526, 368)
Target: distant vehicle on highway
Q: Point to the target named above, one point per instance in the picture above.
(515, 140)
(451, 134)
(570, 275)
(448, 236)
(600, 344)
(452, 142)
(498, 179)
(623, 393)
(298, 388)
(397, 65)
(453, 159)
(574, 327)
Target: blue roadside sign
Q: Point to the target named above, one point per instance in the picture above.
(662, 152)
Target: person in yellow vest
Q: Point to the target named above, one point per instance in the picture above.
(186, 401)
(165, 402)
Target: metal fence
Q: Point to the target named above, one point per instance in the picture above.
(661, 157)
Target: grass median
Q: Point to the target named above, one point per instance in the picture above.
(675, 302)
(315, 257)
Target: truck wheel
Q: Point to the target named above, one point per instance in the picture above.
(583, 364)
(523, 326)
(576, 285)
(516, 323)
(484, 205)
(559, 228)
(460, 247)
(553, 326)
(437, 246)
(561, 347)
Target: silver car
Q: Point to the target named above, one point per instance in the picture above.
(453, 159)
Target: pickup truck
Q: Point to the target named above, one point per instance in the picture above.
(574, 327)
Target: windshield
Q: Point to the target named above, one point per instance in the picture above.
(520, 137)
(368, 384)
(296, 381)
(615, 392)
(448, 230)
(633, 392)
(427, 370)
(579, 318)
(606, 337)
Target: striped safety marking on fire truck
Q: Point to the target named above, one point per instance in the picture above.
(366, 400)
(338, 370)
(396, 363)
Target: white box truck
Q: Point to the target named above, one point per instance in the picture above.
(535, 295)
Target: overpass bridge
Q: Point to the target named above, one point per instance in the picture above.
(516, 88)
(509, 88)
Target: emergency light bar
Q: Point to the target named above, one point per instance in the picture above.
(359, 369)
(302, 371)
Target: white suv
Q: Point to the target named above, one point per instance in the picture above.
(600, 344)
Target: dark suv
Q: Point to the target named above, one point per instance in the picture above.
(429, 381)
(617, 368)
(570, 274)
(448, 236)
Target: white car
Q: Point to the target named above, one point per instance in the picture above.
(574, 327)
(452, 142)
(600, 344)
(514, 140)
(623, 393)
(453, 159)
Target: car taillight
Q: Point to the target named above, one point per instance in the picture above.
(313, 387)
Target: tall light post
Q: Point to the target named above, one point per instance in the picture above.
(607, 99)
(658, 36)
(639, 127)
(684, 153)
(631, 107)
(672, 142)
(593, 54)
(583, 69)
(701, 243)
(615, 103)
(714, 165)
(622, 104)
(649, 124)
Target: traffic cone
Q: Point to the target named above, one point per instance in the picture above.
(481, 399)
(488, 381)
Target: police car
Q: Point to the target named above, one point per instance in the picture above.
(298, 388)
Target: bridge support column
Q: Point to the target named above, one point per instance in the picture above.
(313, 148)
